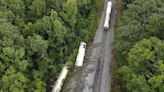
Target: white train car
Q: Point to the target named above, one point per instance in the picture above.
(60, 80)
(80, 55)
(107, 15)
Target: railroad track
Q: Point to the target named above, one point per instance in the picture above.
(100, 64)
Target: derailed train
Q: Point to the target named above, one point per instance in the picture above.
(107, 15)
(82, 47)
(81, 54)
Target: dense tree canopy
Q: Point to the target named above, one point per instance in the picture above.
(145, 66)
(139, 45)
(37, 37)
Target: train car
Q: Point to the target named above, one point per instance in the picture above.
(60, 80)
(107, 15)
(80, 55)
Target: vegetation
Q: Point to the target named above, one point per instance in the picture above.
(38, 37)
(139, 46)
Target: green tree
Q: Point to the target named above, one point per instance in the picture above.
(54, 4)
(16, 6)
(14, 78)
(144, 71)
(69, 13)
(155, 25)
(37, 9)
(8, 15)
(13, 81)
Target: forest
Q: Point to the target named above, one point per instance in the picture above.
(139, 45)
(39, 37)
